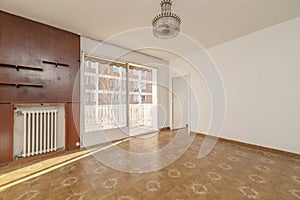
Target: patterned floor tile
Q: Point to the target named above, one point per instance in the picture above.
(230, 171)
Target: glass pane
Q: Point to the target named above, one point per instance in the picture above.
(105, 96)
(141, 98)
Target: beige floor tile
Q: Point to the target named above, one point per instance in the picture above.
(229, 172)
(175, 194)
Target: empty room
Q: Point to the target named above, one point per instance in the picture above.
(149, 100)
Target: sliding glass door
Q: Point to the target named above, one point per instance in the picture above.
(142, 99)
(119, 100)
(105, 95)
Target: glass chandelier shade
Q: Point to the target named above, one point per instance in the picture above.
(166, 25)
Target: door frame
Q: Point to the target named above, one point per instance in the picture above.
(187, 78)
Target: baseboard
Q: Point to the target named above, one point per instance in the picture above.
(165, 128)
(253, 146)
(39, 157)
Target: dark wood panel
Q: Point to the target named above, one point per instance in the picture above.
(28, 43)
(72, 125)
(58, 85)
(5, 127)
(24, 42)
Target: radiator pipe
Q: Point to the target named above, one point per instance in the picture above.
(19, 112)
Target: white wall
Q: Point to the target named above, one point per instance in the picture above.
(261, 73)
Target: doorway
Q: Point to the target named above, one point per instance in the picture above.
(180, 102)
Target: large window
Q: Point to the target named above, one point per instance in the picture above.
(118, 95)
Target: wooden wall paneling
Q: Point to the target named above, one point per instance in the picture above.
(38, 43)
(9, 93)
(5, 133)
(25, 42)
(1, 33)
(11, 43)
(72, 122)
(28, 43)
(71, 52)
(11, 149)
(66, 51)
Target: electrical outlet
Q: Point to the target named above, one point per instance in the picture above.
(77, 144)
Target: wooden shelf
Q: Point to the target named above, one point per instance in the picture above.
(18, 67)
(55, 63)
(18, 85)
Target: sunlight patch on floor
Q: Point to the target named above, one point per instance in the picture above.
(20, 175)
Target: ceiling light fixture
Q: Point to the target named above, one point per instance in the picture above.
(166, 25)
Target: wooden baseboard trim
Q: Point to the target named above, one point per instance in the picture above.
(165, 129)
(257, 147)
(40, 157)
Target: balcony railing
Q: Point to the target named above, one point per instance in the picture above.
(103, 117)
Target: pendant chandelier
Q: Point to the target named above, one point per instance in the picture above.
(166, 25)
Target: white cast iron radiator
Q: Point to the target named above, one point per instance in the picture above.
(40, 130)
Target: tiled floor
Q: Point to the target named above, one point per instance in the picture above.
(228, 172)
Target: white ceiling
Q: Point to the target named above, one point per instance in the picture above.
(210, 22)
